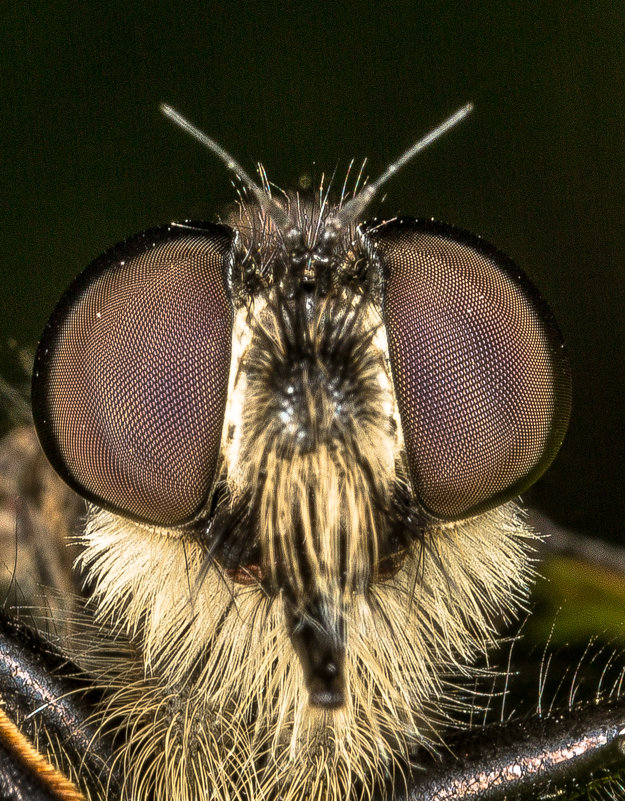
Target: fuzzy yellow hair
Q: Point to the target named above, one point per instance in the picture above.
(211, 696)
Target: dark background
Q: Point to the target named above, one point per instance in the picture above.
(538, 169)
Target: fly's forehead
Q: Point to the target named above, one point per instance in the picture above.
(302, 258)
(312, 442)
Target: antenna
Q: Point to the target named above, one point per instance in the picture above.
(355, 207)
(284, 223)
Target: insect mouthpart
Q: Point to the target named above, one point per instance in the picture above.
(318, 637)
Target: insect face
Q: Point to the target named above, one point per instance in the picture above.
(301, 435)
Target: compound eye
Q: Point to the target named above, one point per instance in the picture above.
(479, 368)
(131, 374)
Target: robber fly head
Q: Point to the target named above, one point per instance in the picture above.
(318, 423)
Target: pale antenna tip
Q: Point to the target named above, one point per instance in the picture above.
(167, 110)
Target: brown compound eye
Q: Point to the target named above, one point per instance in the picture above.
(131, 375)
(479, 368)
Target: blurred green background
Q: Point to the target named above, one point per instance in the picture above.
(538, 169)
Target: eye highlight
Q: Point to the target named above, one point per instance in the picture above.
(131, 374)
(480, 373)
